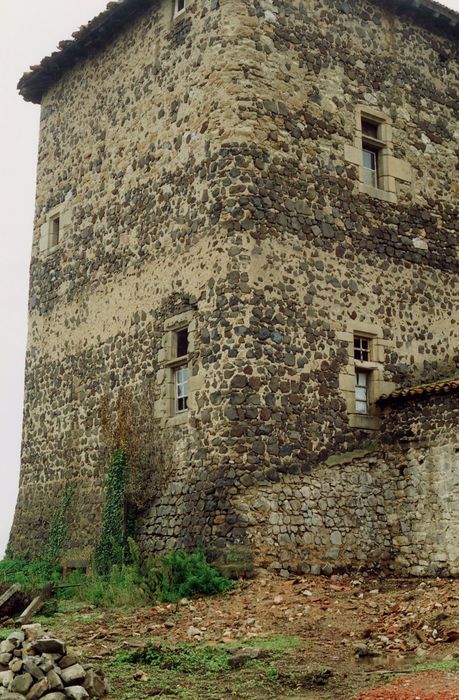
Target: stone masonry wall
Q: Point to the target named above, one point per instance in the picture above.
(208, 169)
(393, 505)
(136, 169)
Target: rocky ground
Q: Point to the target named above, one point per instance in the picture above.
(345, 638)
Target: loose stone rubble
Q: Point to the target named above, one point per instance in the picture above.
(34, 665)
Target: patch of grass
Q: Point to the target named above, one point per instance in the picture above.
(451, 666)
(179, 574)
(4, 633)
(277, 642)
(312, 677)
(123, 587)
(186, 658)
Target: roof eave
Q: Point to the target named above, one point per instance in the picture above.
(88, 39)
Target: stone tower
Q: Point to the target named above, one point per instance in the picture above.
(251, 207)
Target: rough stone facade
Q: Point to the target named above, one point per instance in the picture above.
(206, 165)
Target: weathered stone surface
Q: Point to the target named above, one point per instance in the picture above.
(76, 693)
(34, 670)
(69, 660)
(49, 646)
(33, 631)
(72, 674)
(37, 690)
(54, 681)
(21, 683)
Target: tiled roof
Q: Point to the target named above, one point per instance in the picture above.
(107, 25)
(446, 386)
(91, 37)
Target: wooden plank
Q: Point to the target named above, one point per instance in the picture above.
(9, 594)
(36, 605)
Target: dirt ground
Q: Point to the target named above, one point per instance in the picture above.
(345, 638)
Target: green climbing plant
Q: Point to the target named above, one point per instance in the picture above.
(111, 548)
(58, 528)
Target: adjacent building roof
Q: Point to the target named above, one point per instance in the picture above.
(445, 386)
(106, 26)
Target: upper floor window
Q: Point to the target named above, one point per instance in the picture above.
(362, 403)
(54, 229)
(363, 374)
(54, 233)
(179, 7)
(181, 342)
(372, 152)
(181, 389)
(372, 148)
(361, 348)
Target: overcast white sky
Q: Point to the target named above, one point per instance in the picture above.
(29, 30)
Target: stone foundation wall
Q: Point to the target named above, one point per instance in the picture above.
(394, 506)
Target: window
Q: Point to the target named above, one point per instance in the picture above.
(380, 174)
(179, 7)
(361, 378)
(181, 343)
(55, 228)
(176, 381)
(180, 340)
(361, 348)
(371, 148)
(362, 404)
(370, 167)
(55, 225)
(181, 389)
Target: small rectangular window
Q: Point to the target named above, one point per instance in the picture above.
(179, 7)
(370, 166)
(361, 392)
(361, 348)
(181, 389)
(181, 348)
(55, 225)
(369, 129)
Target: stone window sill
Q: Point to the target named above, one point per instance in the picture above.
(178, 419)
(377, 193)
(364, 422)
(179, 17)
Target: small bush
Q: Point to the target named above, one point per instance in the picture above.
(179, 575)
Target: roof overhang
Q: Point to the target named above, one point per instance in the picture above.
(89, 39)
(106, 26)
(445, 386)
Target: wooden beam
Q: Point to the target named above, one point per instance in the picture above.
(9, 594)
(36, 605)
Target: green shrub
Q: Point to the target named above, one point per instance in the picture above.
(31, 575)
(178, 574)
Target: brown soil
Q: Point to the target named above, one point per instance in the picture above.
(425, 686)
(392, 624)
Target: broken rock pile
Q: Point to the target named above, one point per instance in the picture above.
(36, 666)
